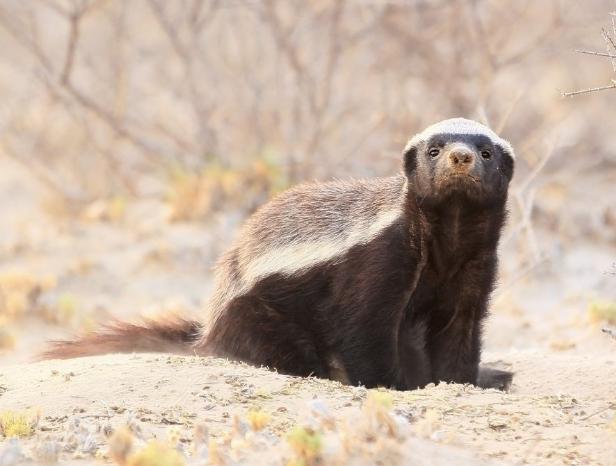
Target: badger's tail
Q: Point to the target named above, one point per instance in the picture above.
(168, 335)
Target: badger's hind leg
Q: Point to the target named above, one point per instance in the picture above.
(253, 331)
(494, 378)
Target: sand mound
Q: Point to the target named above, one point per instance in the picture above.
(560, 411)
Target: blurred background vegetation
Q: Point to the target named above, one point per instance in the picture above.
(135, 137)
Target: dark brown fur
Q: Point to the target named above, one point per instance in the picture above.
(402, 310)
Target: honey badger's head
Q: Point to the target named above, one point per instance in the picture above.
(459, 159)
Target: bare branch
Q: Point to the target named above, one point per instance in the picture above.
(202, 111)
(103, 114)
(610, 43)
(608, 39)
(537, 169)
(74, 20)
(599, 54)
(588, 91)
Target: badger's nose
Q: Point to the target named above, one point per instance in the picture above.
(461, 158)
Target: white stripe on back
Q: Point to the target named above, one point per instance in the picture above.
(292, 258)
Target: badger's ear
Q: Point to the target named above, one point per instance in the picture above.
(410, 158)
(507, 160)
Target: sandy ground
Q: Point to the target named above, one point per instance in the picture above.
(560, 409)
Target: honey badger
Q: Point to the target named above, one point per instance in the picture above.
(379, 282)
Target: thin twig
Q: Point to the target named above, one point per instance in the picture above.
(71, 47)
(602, 410)
(588, 91)
(321, 104)
(519, 274)
(609, 54)
(537, 168)
(555, 23)
(508, 112)
(608, 38)
(609, 42)
(203, 112)
(600, 54)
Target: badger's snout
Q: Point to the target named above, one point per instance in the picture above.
(461, 158)
(459, 171)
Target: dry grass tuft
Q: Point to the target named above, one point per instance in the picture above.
(19, 293)
(258, 419)
(7, 339)
(562, 345)
(156, 453)
(429, 423)
(613, 424)
(105, 210)
(25, 295)
(307, 445)
(120, 445)
(20, 424)
(602, 311)
(194, 196)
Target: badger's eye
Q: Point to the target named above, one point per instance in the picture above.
(486, 154)
(434, 151)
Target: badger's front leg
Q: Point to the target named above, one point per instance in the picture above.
(455, 324)
(369, 339)
(370, 357)
(454, 334)
(454, 349)
(414, 360)
(370, 294)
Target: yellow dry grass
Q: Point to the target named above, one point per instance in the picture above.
(602, 311)
(18, 424)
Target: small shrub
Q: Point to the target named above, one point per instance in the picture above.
(156, 453)
(258, 419)
(195, 195)
(120, 444)
(19, 293)
(602, 311)
(306, 443)
(7, 339)
(19, 424)
(105, 210)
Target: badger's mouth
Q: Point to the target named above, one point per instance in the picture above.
(455, 183)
